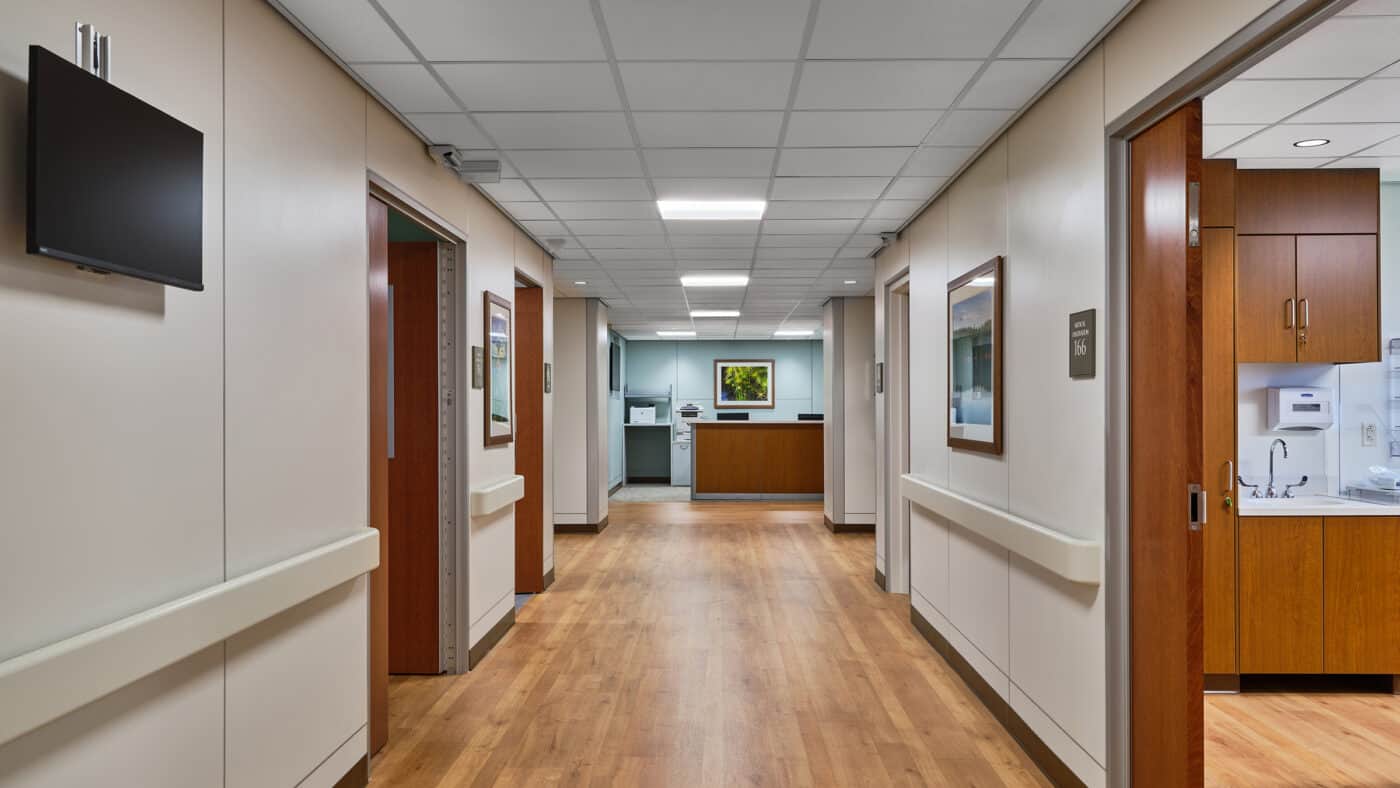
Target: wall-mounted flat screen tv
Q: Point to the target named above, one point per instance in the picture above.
(115, 184)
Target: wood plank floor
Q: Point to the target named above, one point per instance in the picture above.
(698, 645)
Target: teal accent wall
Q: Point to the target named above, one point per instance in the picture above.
(689, 368)
(617, 437)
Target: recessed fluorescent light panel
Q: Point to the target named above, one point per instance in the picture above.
(793, 332)
(850, 281)
(1314, 143)
(580, 282)
(714, 280)
(714, 313)
(675, 333)
(712, 210)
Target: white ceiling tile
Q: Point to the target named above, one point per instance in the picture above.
(514, 130)
(1009, 84)
(815, 254)
(859, 129)
(577, 163)
(711, 188)
(811, 241)
(938, 161)
(882, 84)
(881, 225)
(532, 86)
(353, 29)
(449, 129)
(810, 226)
(1215, 139)
(1294, 162)
(605, 210)
(544, 228)
(817, 209)
(1277, 142)
(528, 211)
(1352, 47)
(1060, 28)
(707, 86)
(712, 242)
(623, 242)
(1372, 8)
(708, 129)
(712, 30)
(714, 254)
(1390, 147)
(709, 227)
(1372, 101)
(842, 161)
(584, 227)
(828, 188)
(565, 254)
(896, 209)
(509, 191)
(592, 189)
(1388, 165)
(969, 127)
(489, 30)
(407, 86)
(710, 162)
(1264, 101)
(862, 245)
(912, 28)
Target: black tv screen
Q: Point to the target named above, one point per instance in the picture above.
(114, 184)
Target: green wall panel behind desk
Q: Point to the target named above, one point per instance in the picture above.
(688, 367)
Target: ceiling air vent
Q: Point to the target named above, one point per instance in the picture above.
(469, 170)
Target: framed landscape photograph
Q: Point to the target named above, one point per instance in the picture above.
(975, 359)
(743, 384)
(499, 406)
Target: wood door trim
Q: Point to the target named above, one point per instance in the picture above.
(377, 240)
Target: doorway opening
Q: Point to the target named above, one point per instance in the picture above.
(412, 270)
(530, 383)
(894, 532)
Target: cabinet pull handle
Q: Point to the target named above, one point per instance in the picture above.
(1290, 312)
(1304, 304)
(1230, 479)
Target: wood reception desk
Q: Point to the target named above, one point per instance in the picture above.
(756, 460)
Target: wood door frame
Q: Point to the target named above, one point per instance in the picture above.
(895, 454)
(1250, 45)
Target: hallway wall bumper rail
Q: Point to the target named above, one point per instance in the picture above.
(498, 495)
(1074, 559)
(44, 684)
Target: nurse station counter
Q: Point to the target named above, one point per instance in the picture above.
(756, 460)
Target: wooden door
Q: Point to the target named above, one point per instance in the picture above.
(1218, 446)
(413, 459)
(529, 438)
(1362, 594)
(1167, 697)
(378, 223)
(1338, 299)
(1281, 595)
(1266, 305)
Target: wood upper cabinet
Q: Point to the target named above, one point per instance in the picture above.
(1307, 202)
(1362, 564)
(1281, 598)
(1266, 301)
(1338, 299)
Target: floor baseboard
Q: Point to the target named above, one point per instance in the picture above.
(477, 653)
(549, 578)
(1040, 753)
(581, 528)
(880, 580)
(848, 528)
(357, 777)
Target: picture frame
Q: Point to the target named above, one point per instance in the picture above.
(498, 397)
(975, 359)
(744, 384)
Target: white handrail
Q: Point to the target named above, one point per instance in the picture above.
(498, 495)
(51, 681)
(1074, 559)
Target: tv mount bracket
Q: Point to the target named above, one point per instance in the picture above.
(94, 51)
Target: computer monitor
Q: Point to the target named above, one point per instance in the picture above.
(732, 416)
(809, 417)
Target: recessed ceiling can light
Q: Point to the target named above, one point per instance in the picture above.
(793, 332)
(1313, 143)
(675, 333)
(714, 280)
(714, 313)
(712, 210)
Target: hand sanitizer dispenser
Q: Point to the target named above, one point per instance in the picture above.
(1300, 408)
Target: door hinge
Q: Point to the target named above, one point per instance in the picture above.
(1193, 214)
(1196, 503)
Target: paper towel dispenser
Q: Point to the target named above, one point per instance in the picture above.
(1300, 408)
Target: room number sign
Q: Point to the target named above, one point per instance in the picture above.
(1081, 344)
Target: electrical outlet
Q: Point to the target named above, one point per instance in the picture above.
(1369, 432)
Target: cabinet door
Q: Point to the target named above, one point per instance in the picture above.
(1265, 304)
(1338, 284)
(1281, 595)
(1363, 594)
(1218, 447)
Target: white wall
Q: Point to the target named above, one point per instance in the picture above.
(154, 441)
(1037, 196)
(848, 386)
(581, 402)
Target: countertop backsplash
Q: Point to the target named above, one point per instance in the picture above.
(1314, 453)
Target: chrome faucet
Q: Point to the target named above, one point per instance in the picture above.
(1270, 492)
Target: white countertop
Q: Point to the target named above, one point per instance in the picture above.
(1314, 506)
(756, 421)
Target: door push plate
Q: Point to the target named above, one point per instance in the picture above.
(1193, 214)
(1197, 506)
